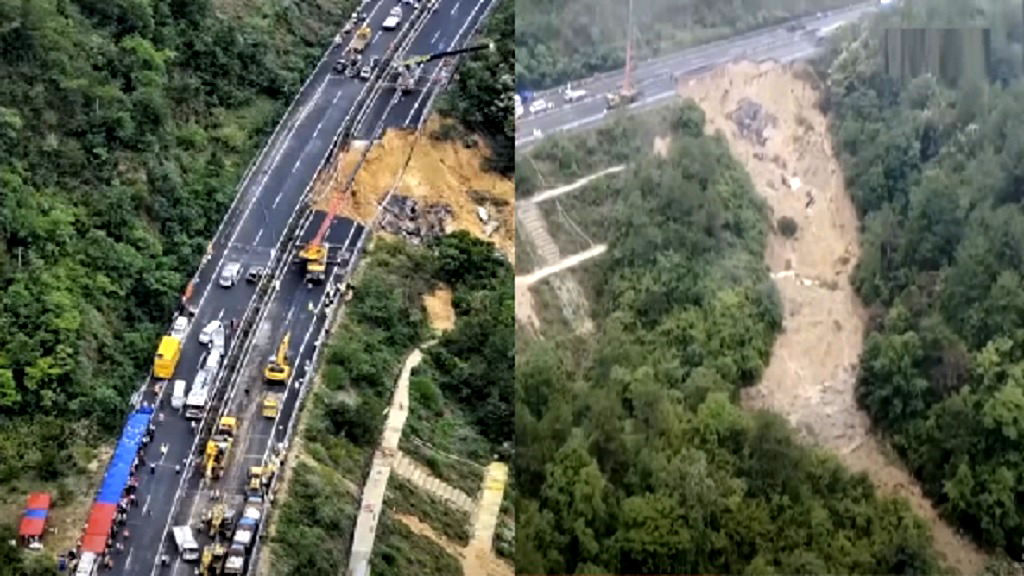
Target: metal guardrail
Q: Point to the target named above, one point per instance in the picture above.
(256, 311)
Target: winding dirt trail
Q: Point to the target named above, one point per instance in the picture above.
(810, 378)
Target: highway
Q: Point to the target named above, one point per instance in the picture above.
(267, 199)
(447, 27)
(275, 192)
(654, 78)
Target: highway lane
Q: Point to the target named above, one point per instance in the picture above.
(295, 308)
(447, 27)
(654, 78)
(267, 201)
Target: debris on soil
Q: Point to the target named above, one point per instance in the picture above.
(407, 218)
(435, 172)
(440, 313)
(812, 373)
(752, 120)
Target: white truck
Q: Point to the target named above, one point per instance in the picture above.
(178, 394)
(393, 20)
(570, 95)
(234, 563)
(519, 107)
(195, 402)
(245, 531)
(188, 549)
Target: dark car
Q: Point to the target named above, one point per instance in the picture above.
(256, 273)
(340, 65)
(374, 61)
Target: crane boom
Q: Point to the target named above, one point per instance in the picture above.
(431, 57)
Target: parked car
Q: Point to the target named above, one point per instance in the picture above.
(366, 72)
(340, 65)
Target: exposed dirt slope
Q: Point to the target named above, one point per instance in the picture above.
(812, 372)
(438, 171)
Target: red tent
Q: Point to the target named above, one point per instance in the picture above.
(94, 543)
(101, 518)
(33, 521)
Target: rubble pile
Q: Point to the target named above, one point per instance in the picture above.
(417, 223)
(752, 120)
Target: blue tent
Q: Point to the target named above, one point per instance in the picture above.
(120, 466)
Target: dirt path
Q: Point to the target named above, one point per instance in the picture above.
(562, 265)
(573, 303)
(810, 378)
(478, 557)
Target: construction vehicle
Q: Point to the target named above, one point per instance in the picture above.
(166, 359)
(361, 39)
(271, 404)
(410, 68)
(212, 559)
(259, 482)
(219, 521)
(278, 369)
(627, 93)
(218, 446)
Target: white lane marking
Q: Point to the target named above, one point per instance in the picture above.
(455, 8)
(451, 46)
(433, 39)
(336, 96)
(128, 560)
(145, 506)
(221, 313)
(276, 200)
(260, 233)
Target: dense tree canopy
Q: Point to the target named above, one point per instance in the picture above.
(482, 97)
(124, 128)
(632, 455)
(936, 174)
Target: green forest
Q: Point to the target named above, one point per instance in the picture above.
(460, 399)
(633, 455)
(482, 96)
(937, 173)
(562, 40)
(124, 128)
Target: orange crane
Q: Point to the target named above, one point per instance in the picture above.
(315, 253)
(628, 93)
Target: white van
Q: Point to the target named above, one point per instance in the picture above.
(178, 397)
(213, 360)
(188, 549)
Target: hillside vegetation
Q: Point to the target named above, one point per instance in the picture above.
(124, 128)
(632, 454)
(561, 40)
(938, 174)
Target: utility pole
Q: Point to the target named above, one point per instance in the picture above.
(627, 83)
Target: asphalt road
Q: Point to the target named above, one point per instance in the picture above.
(654, 80)
(266, 203)
(295, 308)
(448, 27)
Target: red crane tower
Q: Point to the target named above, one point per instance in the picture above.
(628, 93)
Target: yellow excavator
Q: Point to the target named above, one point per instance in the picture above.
(278, 369)
(218, 446)
(212, 559)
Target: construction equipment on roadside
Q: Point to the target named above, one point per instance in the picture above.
(218, 446)
(409, 69)
(212, 559)
(627, 93)
(271, 404)
(361, 39)
(278, 369)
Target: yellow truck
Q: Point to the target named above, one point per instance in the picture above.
(271, 405)
(166, 359)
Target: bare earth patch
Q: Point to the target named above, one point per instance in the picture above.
(811, 376)
(440, 313)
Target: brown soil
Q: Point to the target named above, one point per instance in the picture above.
(440, 313)
(812, 372)
(438, 171)
(661, 146)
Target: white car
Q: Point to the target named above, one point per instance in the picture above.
(206, 336)
(230, 274)
(540, 106)
(393, 20)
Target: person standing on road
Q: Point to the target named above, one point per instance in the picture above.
(152, 468)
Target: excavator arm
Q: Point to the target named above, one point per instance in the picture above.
(420, 60)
